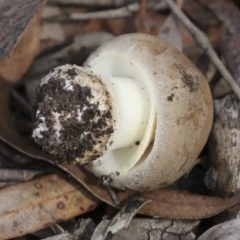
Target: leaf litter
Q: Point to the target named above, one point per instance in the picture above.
(168, 203)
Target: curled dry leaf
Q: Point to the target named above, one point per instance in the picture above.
(226, 231)
(19, 36)
(39, 203)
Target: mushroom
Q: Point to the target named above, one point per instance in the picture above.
(137, 115)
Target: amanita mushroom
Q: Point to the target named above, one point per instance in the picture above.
(137, 115)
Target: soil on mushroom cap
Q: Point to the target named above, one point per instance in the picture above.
(74, 137)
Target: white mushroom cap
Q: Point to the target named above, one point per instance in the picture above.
(181, 97)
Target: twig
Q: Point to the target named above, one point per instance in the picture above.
(113, 13)
(202, 40)
(95, 3)
(121, 12)
(153, 4)
(113, 195)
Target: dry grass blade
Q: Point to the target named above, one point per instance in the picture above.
(39, 203)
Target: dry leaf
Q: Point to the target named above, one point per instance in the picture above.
(19, 36)
(39, 203)
(173, 204)
(226, 231)
(170, 31)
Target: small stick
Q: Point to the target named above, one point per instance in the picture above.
(202, 40)
(125, 11)
(113, 195)
(106, 14)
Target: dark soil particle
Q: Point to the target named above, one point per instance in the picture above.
(137, 142)
(75, 137)
(72, 72)
(191, 81)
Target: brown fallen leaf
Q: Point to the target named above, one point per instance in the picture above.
(19, 36)
(39, 203)
(173, 204)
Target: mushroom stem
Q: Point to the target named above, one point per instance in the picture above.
(131, 111)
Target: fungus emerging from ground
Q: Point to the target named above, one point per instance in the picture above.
(138, 114)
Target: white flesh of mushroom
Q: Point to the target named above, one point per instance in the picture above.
(135, 113)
